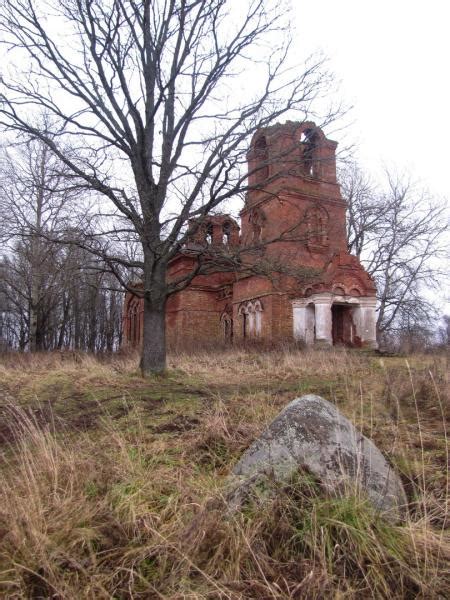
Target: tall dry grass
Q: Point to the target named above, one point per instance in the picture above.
(133, 510)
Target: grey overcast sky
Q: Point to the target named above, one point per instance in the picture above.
(392, 59)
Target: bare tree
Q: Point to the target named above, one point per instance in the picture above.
(399, 234)
(364, 209)
(444, 332)
(153, 109)
(47, 285)
(12, 313)
(33, 200)
(78, 304)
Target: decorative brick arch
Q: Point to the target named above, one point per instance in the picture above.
(355, 291)
(311, 138)
(133, 321)
(213, 230)
(226, 322)
(257, 219)
(339, 289)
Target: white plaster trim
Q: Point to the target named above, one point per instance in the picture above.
(368, 301)
(330, 298)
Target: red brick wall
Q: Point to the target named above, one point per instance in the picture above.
(193, 317)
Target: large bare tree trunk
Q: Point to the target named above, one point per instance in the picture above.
(153, 357)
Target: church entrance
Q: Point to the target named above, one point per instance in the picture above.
(342, 325)
(332, 320)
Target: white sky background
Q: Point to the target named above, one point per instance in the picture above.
(392, 59)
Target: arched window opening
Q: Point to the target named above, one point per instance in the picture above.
(307, 141)
(226, 233)
(227, 327)
(133, 324)
(209, 230)
(262, 156)
(243, 314)
(258, 317)
(251, 320)
(256, 232)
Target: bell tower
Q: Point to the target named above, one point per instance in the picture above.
(294, 216)
(291, 150)
(293, 192)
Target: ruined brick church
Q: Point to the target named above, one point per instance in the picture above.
(293, 219)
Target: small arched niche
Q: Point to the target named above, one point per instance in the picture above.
(227, 326)
(226, 233)
(308, 143)
(209, 232)
(257, 219)
(355, 292)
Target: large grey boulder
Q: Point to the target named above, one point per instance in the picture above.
(311, 434)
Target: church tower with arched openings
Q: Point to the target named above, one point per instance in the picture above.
(294, 222)
(294, 199)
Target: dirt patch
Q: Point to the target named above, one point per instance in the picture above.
(84, 421)
(151, 404)
(86, 414)
(180, 424)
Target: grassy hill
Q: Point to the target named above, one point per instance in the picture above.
(112, 486)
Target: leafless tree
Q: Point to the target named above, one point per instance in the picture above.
(364, 209)
(79, 306)
(399, 234)
(153, 103)
(33, 200)
(444, 333)
(54, 295)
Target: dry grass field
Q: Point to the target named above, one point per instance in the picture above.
(112, 486)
